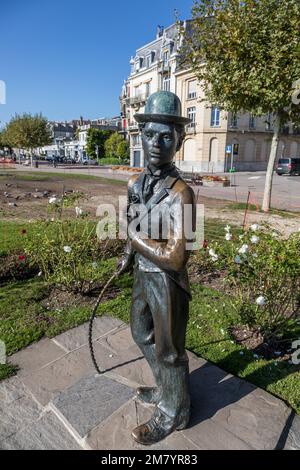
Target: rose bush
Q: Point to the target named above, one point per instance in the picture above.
(263, 274)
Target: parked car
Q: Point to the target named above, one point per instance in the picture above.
(89, 161)
(288, 166)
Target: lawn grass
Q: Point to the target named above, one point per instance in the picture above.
(12, 236)
(50, 176)
(252, 207)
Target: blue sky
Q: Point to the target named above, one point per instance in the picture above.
(67, 58)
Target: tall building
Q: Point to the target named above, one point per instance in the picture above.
(215, 140)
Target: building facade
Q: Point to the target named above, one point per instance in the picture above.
(216, 140)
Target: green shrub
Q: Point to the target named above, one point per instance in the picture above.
(69, 253)
(263, 275)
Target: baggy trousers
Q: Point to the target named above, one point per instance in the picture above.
(159, 315)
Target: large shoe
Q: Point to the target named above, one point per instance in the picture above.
(150, 395)
(158, 427)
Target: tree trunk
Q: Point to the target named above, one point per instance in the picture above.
(271, 163)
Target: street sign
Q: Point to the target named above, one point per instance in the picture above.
(228, 148)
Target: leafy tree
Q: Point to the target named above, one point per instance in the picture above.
(96, 139)
(246, 55)
(117, 146)
(27, 131)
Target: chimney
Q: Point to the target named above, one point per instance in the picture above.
(159, 31)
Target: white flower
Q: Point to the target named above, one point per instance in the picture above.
(254, 227)
(227, 228)
(213, 254)
(260, 300)
(255, 255)
(40, 273)
(67, 249)
(78, 211)
(52, 200)
(243, 250)
(237, 259)
(228, 236)
(254, 239)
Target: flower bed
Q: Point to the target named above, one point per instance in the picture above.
(213, 181)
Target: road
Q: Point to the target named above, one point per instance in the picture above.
(285, 194)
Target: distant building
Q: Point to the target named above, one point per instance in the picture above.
(152, 68)
(215, 140)
(69, 138)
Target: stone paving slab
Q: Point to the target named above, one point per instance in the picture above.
(48, 433)
(227, 412)
(115, 432)
(90, 401)
(36, 356)
(56, 377)
(17, 407)
(77, 337)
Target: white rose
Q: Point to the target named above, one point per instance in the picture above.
(260, 300)
(243, 250)
(78, 211)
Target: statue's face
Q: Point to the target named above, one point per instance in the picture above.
(160, 143)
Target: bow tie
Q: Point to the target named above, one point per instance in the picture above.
(159, 172)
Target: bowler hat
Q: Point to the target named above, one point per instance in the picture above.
(162, 106)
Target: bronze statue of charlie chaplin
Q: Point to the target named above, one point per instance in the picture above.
(161, 294)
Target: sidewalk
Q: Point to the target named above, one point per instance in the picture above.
(285, 193)
(58, 402)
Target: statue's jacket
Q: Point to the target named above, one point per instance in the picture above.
(161, 230)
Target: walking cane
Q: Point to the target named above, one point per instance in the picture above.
(93, 315)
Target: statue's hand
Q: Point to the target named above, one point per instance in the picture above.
(125, 264)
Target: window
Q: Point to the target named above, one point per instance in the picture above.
(191, 114)
(136, 139)
(137, 91)
(215, 117)
(166, 83)
(148, 61)
(165, 57)
(148, 88)
(251, 122)
(192, 89)
(269, 122)
(233, 120)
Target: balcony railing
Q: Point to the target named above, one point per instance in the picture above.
(141, 98)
